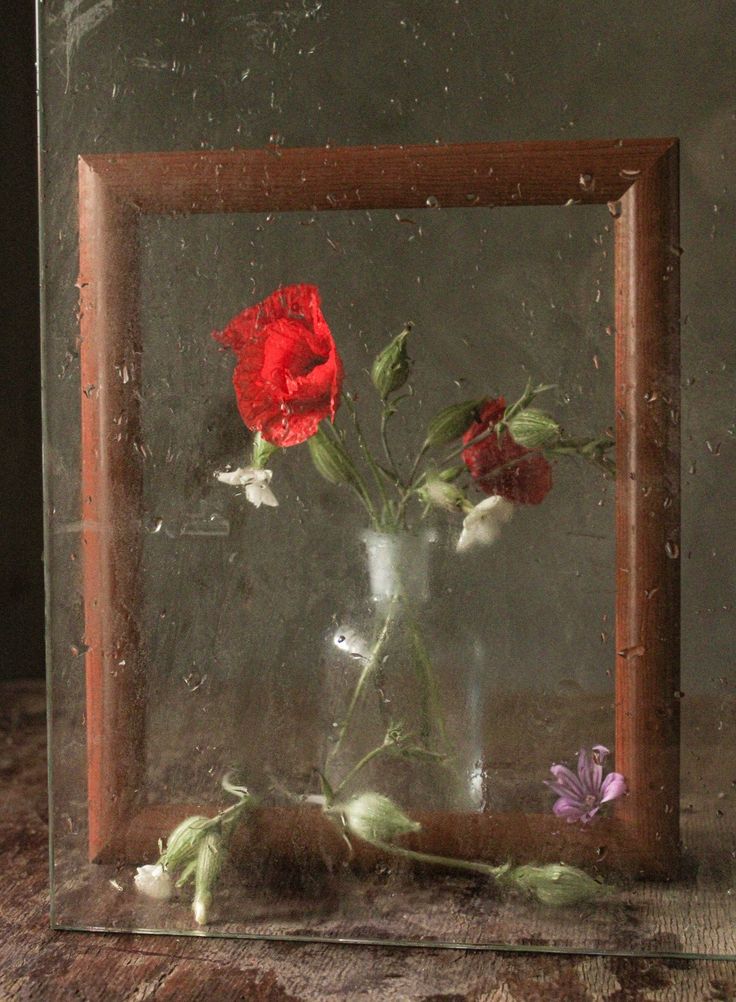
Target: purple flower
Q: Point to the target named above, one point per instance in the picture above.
(581, 797)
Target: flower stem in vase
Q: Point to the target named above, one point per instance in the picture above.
(432, 714)
(372, 662)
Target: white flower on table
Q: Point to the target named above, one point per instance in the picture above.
(256, 482)
(153, 881)
(482, 525)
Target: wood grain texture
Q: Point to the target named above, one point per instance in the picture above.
(648, 511)
(112, 482)
(40, 965)
(386, 177)
(641, 173)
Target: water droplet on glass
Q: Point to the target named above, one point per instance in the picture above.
(632, 652)
(78, 648)
(432, 202)
(194, 680)
(672, 549)
(615, 209)
(587, 182)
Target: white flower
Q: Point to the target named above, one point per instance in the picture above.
(256, 483)
(153, 881)
(482, 525)
(201, 908)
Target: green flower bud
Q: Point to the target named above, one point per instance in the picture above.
(533, 428)
(452, 422)
(375, 818)
(209, 863)
(187, 873)
(183, 842)
(392, 366)
(440, 494)
(262, 451)
(330, 459)
(452, 473)
(556, 884)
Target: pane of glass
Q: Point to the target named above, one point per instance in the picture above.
(391, 657)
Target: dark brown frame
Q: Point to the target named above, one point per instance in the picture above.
(641, 177)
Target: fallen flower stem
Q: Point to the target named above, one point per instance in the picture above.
(449, 861)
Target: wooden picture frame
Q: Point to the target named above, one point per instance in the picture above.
(639, 179)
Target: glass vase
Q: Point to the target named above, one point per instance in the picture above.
(403, 703)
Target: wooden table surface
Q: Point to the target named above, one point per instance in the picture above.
(39, 964)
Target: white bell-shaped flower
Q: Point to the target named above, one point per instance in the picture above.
(482, 526)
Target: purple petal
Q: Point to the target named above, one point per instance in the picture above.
(567, 779)
(614, 785)
(561, 790)
(565, 808)
(585, 771)
(603, 753)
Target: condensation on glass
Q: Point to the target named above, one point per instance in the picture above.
(364, 614)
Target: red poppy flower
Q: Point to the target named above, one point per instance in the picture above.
(500, 466)
(289, 374)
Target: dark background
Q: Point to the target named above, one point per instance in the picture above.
(21, 583)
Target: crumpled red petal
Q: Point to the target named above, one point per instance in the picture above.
(500, 466)
(289, 374)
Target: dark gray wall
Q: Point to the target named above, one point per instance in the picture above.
(131, 75)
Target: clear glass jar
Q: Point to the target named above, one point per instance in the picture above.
(403, 701)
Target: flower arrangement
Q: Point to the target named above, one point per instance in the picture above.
(289, 387)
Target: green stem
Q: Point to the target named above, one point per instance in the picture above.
(368, 757)
(431, 702)
(426, 857)
(367, 454)
(230, 814)
(368, 669)
(385, 417)
(410, 485)
(359, 486)
(461, 448)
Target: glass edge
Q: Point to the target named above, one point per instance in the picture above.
(406, 944)
(65, 927)
(44, 433)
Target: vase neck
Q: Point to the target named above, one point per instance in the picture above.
(398, 565)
